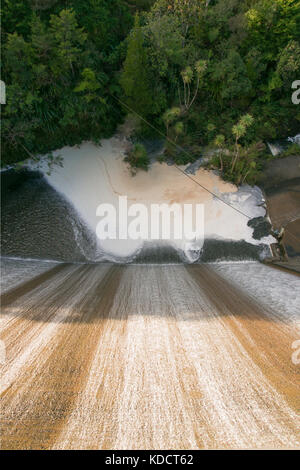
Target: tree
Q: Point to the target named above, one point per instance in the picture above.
(18, 58)
(170, 116)
(135, 79)
(58, 75)
(68, 38)
(41, 39)
(138, 158)
(62, 62)
(239, 130)
(165, 44)
(232, 77)
(40, 5)
(187, 11)
(288, 65)
(88, 85)
(190, 76)
(219, 142)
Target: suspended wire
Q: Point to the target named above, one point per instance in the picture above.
(189, 155)
(184, 151)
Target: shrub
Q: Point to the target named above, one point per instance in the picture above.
(138, 158)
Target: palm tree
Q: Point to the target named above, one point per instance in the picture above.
(239, 130)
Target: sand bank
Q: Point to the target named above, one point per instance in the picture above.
(92, 175)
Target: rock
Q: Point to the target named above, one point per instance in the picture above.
(261, 227)
(193, 167)
(223, 250)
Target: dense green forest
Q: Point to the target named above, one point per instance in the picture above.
(202, 72)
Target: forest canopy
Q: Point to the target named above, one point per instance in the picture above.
(195, 69)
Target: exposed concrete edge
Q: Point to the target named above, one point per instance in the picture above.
(283, 267)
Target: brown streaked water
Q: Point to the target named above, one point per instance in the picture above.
(145, 357)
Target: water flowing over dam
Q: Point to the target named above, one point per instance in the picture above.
(149, 356)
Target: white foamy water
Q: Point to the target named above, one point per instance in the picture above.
(14, 271)
(93, 175)
(277, 290)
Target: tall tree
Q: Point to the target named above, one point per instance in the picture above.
(68, 39)
(135, 79)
